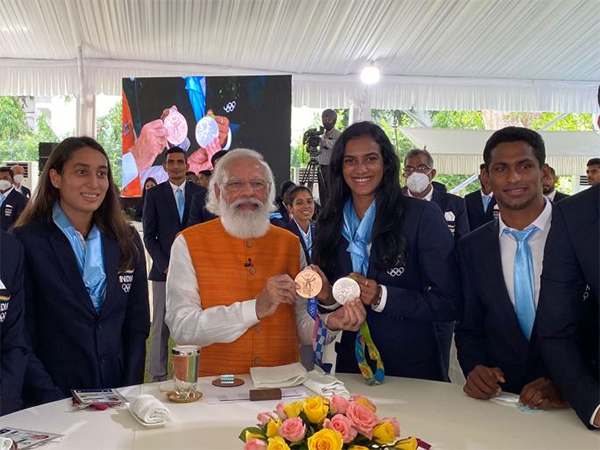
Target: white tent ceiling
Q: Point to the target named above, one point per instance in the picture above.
(461, 151)
(511, 55)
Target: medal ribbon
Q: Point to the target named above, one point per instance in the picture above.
(319, 335)
(358, 233)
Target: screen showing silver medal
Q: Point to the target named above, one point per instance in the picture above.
(207, 130)
(177, 127)
(345, 290)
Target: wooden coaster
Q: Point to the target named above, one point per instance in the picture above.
(175, 399)
(236, 382)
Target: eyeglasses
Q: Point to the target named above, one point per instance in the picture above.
(421, 169)
(235, 186)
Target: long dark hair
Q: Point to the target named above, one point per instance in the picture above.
(108, 217)
(388, 241)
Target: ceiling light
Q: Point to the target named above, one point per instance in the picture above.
(370, 74)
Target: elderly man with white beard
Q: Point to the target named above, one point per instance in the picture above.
(230, 286)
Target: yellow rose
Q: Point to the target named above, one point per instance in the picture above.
(293, 409)
(251, 435)
(326, 439)
(316, 409)
(277, 443)
(273, 428)
(407, 444)
(384, 433)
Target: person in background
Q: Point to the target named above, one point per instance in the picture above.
(401, 253)
(568, 318)
(480, 204)
(549, 187)
(302, 209)
(593, 171)
(501, 263)
(166, 211)
(13, 351)
(12, 203)
(86, 291)
(19, 177)
(191, 177)
(329, 119)
(139, 211)
(281, 217)
(204, 178)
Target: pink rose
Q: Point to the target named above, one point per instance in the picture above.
(343, 425)
(364, 401)
(292, 429)
(255, 444)
(363, 418)
(264, 417)
(395, 424)
(338, 405)
(279, 411)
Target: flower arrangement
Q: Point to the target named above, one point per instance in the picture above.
(318, 423)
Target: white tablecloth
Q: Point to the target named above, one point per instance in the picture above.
(438, 413)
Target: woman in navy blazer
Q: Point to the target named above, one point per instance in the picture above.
(302, 208)
(81, 338)
(412, 279)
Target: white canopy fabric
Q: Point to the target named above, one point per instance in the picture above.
(461, 151)
(507, 55)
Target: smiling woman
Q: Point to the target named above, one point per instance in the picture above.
(87, 301)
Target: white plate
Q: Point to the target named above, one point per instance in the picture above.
(147, 425)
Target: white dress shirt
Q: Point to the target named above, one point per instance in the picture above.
(174, 187)
(537, 242)
(190, 324)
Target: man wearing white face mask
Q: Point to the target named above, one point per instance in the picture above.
(12, 203)
(419, 173)
(19, 173)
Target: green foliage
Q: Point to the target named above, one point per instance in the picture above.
(458, 120)
(108, 133)
(451, 181)
(535, 121)
(18, 142)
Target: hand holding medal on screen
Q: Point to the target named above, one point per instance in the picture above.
(212, 133)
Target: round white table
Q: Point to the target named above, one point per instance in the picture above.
(439, 413)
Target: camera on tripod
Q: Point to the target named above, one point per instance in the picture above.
(312, 141)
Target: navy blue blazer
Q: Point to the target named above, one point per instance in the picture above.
(489, 333)
(73, 346)
(559, 196)
(11, 209)
(13, 348)
(567, 319)
(161, 224)
(456, 205)
(475, 212)
(422, 291)
(198, 212)
(25, 191)
(293, 227)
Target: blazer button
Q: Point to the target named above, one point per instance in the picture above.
(257, 360)
(249, 244)
(257, 328)
(100, 326)
(252, 270)
(102, 359)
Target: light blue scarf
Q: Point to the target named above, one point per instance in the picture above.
(358, 233)
(89, 254)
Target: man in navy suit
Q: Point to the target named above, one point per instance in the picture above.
(419, 173)
(166, 212)
(549, 187)
(568, 328)
(501, 264)
(12, 324)
(480, 204)
(19, 176)
(198, 212)
(12, 203)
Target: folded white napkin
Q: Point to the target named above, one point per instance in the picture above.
(149, 409)
(6, 443)
(325, 385)
(279, 376)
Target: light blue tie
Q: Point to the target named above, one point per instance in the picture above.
(523, 280)
(2, 198)
(486, 202)
(180, 203)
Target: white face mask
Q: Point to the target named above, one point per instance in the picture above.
(19, 179)
(5, 185)
(417, 182)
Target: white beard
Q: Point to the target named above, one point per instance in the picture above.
(245, 224)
